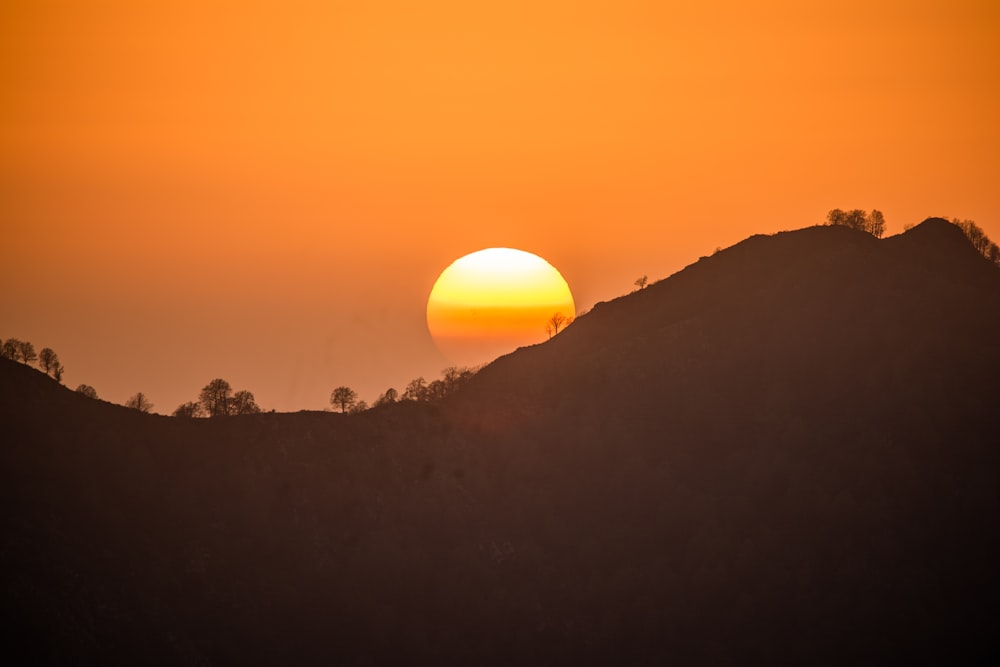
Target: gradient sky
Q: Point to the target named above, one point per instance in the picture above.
(266, 192)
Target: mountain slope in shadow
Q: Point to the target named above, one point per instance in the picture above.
(786, 452)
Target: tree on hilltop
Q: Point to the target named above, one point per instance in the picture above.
(11, 349)
(47, 359)
(243, 403)
(641, 281)
(456, 376)
(452, 378)
(876, 223)
(390, 396)
(873, 223)
(436, 390)
(556, 322)
(26, 351)
(977, 237)
(87, 391)
(416, 390)
(189, 410)
(345, 397)
(139, 402)
(215, 398)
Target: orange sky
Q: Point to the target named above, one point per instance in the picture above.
(265, 192)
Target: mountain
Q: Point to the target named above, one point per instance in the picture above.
(785, 453)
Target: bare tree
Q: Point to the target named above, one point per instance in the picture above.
(27, 352)
(436, 390)
(47, 359)
(243, 404)
(87, 391)
(977, 237)
(452, 378)
(456, 376)
(57, 372)
(556, 322)
(876, 223)
(358, 407)
(11, 349)
(873, 223)
(189, 410)
(345, 397)
(390, 396)
(215, 398)
(416, 390)
(641, 281)
(855, 219)
(139, 402)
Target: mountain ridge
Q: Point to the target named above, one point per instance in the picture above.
(781, 453)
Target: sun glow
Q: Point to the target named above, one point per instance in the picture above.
(492, 301)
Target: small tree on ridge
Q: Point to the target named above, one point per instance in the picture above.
(390, 396)
(243, 403)
(87, 391)
(26, 351)
(556, 322)
(345, 397)
(873, 223)
(139, 402)
(47, 359)
(11, 349)
(215, 398)
(189, 410)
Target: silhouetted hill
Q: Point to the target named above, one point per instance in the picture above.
(785, 453)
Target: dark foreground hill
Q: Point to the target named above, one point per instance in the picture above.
(786, 453)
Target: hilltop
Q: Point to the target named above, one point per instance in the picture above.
(785, 452)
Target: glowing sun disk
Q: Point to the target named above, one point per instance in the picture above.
(489, 302)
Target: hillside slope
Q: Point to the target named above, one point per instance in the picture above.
(786, 452)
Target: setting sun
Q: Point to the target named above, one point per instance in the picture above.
(490, 302)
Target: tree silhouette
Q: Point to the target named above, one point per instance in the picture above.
(451, 379)
(139, 402)
(854, 219)
(87, 391)
(215, 398)
(977, 237)
(857, 219)
(873, 223)
(57, 371)
(641, 281)
(390, 396)
(47, 359)
(358, 407)
(243, 404)
(876, 223)
(454, 377)
(26, 351)
(416, 390)
(11, 349)
(189, 410)
(556, 322)
(345, 397)
(436, 390)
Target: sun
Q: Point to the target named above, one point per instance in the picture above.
(492, 301)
